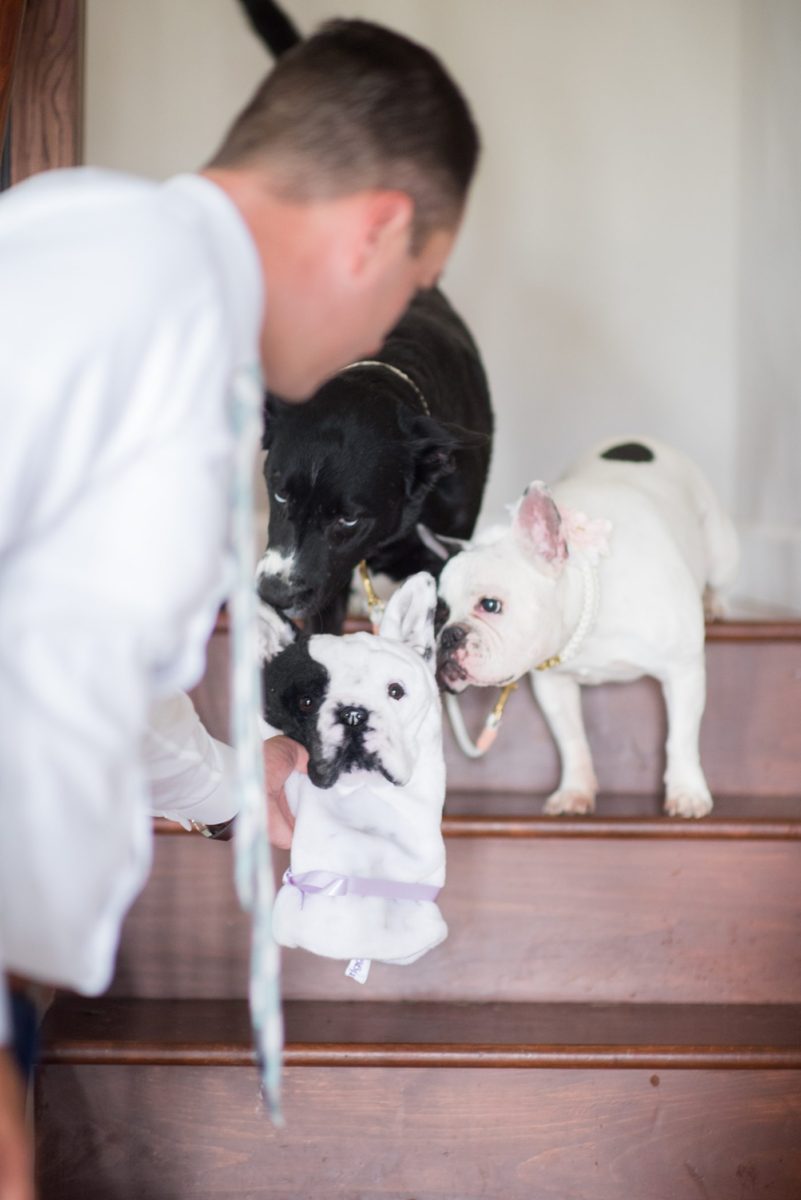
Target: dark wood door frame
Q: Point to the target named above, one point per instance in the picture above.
(46, 86)
(12, 13)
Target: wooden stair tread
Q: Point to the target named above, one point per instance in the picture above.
(514, 814)
(735, 629)
(341, 1033)
(517, 814)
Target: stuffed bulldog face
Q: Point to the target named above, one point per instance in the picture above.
(358, 702)
(498, 599)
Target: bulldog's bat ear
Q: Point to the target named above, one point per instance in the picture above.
(273, 631)
(537, 526)
(409, 615)
(443, 547)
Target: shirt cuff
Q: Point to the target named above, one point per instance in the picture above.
(219, 802)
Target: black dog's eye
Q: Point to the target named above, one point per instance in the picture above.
(347, 522)
(396, 691)
(490, 604)
(278, 498)
(306, 704)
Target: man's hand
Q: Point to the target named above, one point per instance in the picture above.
(282, 756)
(16, 1158)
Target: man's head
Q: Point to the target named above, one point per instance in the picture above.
(351, 166)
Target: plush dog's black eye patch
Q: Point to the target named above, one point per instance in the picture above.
(441, 614)
(629, 452)
(294, 687)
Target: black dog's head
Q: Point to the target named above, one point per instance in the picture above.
(347, 473)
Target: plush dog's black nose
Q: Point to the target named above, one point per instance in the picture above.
(451, 637)
(354, 716)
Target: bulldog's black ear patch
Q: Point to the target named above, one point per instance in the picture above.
(629, 452)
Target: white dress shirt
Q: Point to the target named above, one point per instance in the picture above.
(126, 308)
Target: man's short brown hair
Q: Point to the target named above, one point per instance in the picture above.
(358, 106)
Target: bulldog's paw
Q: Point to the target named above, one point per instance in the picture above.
(567, 801)
(688, 802)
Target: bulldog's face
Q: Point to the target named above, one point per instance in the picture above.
(498, 599)
(359, 702)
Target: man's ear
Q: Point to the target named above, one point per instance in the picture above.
(274, 632)
(431, 450)
(386, 218)
(409, 615)
(537, 527)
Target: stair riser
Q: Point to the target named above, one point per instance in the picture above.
(430, 1133)
(750, 743)
(530, 919)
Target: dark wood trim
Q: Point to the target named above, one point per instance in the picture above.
(681, 829)
(427, 1034)
(12, 13)
(47, 105)
(507, 815)
(784, 629)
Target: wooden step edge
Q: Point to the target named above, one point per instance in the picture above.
(757, 629)
(429, 1034)
(711, 828)
(529, 1057)
(677, 828)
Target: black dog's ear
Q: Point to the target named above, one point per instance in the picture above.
(432, 448)
(272, 409)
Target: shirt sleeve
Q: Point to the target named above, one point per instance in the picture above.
(192, 775)
(113, 570)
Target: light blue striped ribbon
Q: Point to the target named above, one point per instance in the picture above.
(254, 876)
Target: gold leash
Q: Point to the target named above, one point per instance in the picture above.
(374, 604)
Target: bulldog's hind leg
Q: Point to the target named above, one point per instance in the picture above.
(686, 790)
(559, 697)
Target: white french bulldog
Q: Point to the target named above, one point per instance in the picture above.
(603, 579)
(367, 857)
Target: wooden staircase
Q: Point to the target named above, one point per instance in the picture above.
(615, 1015)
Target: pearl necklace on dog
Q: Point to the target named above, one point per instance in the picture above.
(375, 362)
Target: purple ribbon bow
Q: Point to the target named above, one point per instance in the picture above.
(328, 883)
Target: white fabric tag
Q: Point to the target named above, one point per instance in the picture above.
(358, 969)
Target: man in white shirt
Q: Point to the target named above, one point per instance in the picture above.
(127, 309)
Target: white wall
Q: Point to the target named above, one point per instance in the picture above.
(768, 467)
(605, 254)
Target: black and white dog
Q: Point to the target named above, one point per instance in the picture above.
(603, 579)
(385, 444)
(403, 438)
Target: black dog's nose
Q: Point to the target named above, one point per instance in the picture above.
(278, 594)
(451, 637)
(354, 716)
